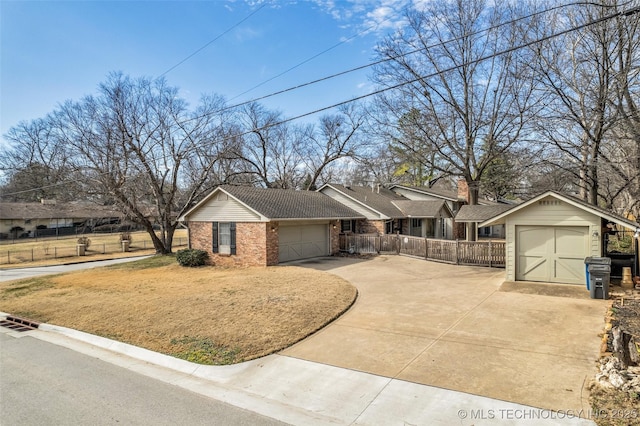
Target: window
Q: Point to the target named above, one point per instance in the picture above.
(348, 226)
(416, 223)
(389, 227)
(224, 237)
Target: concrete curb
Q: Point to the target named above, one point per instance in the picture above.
(301, 392)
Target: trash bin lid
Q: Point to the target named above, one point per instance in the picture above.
(599, 268)
(597, 260)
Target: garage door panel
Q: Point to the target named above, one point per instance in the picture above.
(532, 241)
(533, 266)
(569, 270)
(551, 254)
(302, 242)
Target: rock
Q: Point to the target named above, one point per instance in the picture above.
(617, 380)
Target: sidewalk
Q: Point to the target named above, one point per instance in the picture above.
(308, 393)
(9, 274)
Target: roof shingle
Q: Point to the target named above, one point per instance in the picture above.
(290, 203)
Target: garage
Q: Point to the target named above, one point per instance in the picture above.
(302, 241)
(551, 254)
(549, 236)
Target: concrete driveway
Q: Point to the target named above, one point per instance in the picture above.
(460, 328)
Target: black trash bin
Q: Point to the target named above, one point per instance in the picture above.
(599, 275)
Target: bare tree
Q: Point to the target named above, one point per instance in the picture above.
(36, 159)
(461, 86)
(336, 138)
(578, 71)
(271, 147)
(137, 145)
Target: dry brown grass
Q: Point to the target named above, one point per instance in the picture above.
(208, 315)
(20, 250)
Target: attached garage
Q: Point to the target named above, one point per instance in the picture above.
(246, 226)
(549, 237)
(302, 241)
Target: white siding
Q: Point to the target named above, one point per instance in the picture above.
(221, 208)
(365, 211)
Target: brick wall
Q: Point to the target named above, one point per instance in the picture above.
(334, 237)
(273, 246)
(370, 226)
(251, 244)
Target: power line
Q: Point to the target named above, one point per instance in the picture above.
(624, 13)
(381, 61)
(222, 34)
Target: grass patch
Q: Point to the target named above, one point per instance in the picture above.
(27, 286)
(150, 262)
(207, 315)
(614, 407)
(202, 350)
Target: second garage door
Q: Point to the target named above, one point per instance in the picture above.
(551, 254)
(302, 242)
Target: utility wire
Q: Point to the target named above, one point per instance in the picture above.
(388, 59)
(625, 13)
(222, 34)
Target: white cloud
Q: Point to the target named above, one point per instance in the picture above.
(367, 15)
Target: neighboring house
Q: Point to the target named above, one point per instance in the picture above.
(455, 200)
(479, 213)
(246, 226)
(386, 212)
(51, 218)
(549, 236)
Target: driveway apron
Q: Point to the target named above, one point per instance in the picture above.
(459, 328)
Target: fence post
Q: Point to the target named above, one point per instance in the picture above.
(8, 257)
(490, 255)
(32, 254)
(55, 252)
(457, 256)
(397, 243)
(426, 248)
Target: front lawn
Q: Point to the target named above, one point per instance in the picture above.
(209, 315)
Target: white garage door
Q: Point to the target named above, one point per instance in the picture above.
(302, 242)
(551, 254)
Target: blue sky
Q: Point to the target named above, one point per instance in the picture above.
(52, 51)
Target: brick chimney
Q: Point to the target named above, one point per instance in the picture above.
(463, 191)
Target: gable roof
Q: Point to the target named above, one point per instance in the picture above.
(423, 208)
(576, 202)
(445, 194)
(282, 204)
(379, 199)
(478, 213)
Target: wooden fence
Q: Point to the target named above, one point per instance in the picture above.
(476, 253)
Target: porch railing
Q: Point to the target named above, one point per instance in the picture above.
(476, 253)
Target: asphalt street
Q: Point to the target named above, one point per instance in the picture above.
(42, 383)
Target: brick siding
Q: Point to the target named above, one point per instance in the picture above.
(251, 244)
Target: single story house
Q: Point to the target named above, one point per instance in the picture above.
(51, 218)
(386, 212)
(458, 226)
(247, 226)
(549, 236)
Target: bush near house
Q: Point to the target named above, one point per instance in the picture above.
(191, 257)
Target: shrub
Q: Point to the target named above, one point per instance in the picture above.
(86, 241)
(191, 257)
